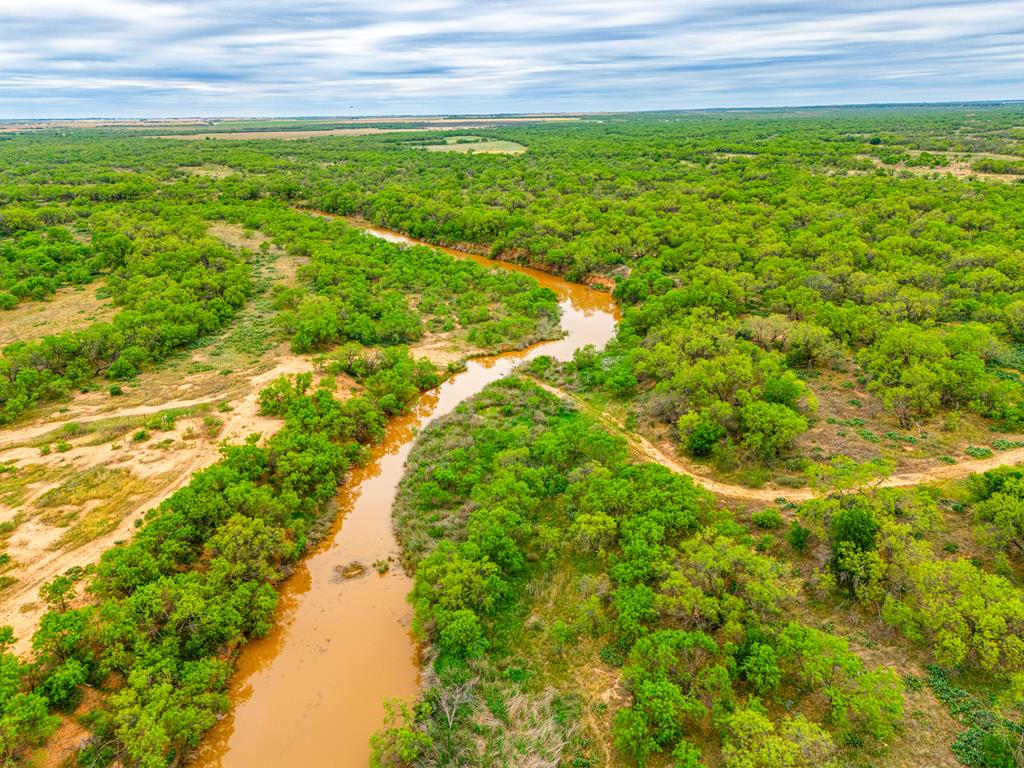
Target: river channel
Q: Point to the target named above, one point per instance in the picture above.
(311, 693)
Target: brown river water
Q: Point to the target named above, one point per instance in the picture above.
(311, 693)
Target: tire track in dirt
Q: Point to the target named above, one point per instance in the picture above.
(20, 606)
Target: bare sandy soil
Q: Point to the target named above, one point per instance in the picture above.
(69, 504)
(210, 170)
(959, 166)
(442, 349)
(71, 735)
(159, 466)
(70, 308)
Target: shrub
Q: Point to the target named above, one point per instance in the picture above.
(761, 668)
(122, 370)
(769, 518)
(63, 685)
(212, 426)
(797, 536)
(703, 436)
(162, 422)
(854, 524)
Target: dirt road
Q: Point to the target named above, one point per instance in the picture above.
(647, 450)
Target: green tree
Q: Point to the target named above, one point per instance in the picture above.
(761, 668)
(754, 742)
(768, 428)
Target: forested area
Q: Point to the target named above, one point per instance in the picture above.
(369, 291)
(36, 264)
(836, 240)
(771, 245)
(175, 284)
(153, 629)
(794, 287)
(708, 617)
(165, 610)
(630, 561)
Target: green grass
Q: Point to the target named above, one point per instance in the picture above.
(1005, 445)
(867, 434)
(15, 481)
(989, 739)
(978, 452)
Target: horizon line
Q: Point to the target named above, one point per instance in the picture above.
(533, 113)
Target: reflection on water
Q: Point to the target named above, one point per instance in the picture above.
(311, 692)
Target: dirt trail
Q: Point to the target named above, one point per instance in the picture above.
(30, 546)
(649, 451)
(161, 465)
(13, 437)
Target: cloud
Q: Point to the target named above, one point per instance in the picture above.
(257, 57)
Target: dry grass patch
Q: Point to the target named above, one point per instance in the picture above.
(927, 729)
(253, 331)
(105, 430)
(91, 503)
(282, 268)
(240, 237)
(69, 309)
(853, 422)
(16, 482)
(209, 170)
(479, 147)
(959, 165)
(573, 664)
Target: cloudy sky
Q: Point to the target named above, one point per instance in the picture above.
(62, 58)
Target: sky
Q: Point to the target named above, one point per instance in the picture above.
(163, 58)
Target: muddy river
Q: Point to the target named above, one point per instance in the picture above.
(311, 693)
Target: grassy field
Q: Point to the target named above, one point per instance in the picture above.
(483, 147)
(69, 308)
